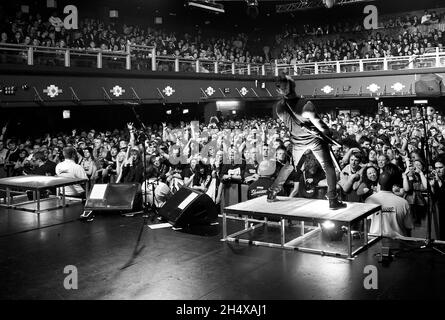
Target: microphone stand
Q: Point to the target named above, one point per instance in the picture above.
(142, 135)
(429, 242)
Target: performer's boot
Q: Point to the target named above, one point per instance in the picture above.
(271, 195)
(335, 204)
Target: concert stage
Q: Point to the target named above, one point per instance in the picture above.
(122, 258)
(37, 184)
(257, 213)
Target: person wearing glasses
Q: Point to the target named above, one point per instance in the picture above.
(437, 182)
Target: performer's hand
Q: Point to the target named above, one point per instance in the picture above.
(4, 128)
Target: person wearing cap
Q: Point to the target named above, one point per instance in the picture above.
(259, 188)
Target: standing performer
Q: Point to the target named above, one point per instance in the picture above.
(308, 131)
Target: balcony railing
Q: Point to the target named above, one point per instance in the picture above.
(433, 59)
(137, 57)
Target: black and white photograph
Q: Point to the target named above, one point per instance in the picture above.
(222, 155)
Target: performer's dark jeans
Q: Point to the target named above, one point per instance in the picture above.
(321, 153)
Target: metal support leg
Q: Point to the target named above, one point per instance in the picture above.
(381, 223)
(349, 241)
(86, 190)
(246, 222)
(224, 221)
(63, 197)
(283, 234)
(38, 201)
(302, 228)
(365, 226)
(8, 196)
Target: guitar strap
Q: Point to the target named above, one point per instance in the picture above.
(302, 125)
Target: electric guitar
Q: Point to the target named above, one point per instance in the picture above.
(313, 130)
(310, 128)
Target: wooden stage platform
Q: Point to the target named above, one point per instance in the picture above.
(257, 213)
(37, 184)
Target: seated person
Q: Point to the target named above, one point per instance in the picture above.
(161, 190)
(69, 169)
(43, 167)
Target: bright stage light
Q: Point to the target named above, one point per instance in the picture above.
(227, 104)
(210, 5)
(168, 112)
(328, 225)
(185, 111)
(331, 231)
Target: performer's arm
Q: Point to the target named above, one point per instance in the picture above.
(281, 111)
(310, 113)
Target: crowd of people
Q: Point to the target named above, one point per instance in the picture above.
(296, 44)
(295, 48)
(94, 34)
(356, 25)
(216, 156)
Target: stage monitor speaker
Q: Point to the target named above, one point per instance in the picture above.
(189, 207)
(113, 196)
(428, 86)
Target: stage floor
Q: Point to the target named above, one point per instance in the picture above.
(168, 264)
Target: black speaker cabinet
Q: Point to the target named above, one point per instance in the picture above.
(428, 86)
(189, 207)
(113, 196)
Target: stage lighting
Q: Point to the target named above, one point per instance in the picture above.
(168, 112)
(420, 101)
(329, 3)
(252, 8)
(210, 5)
(227, 104)
(233, 111)
(9, 90)
(328, 225)
(331, 231)
(185, 111)
(66, 114)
